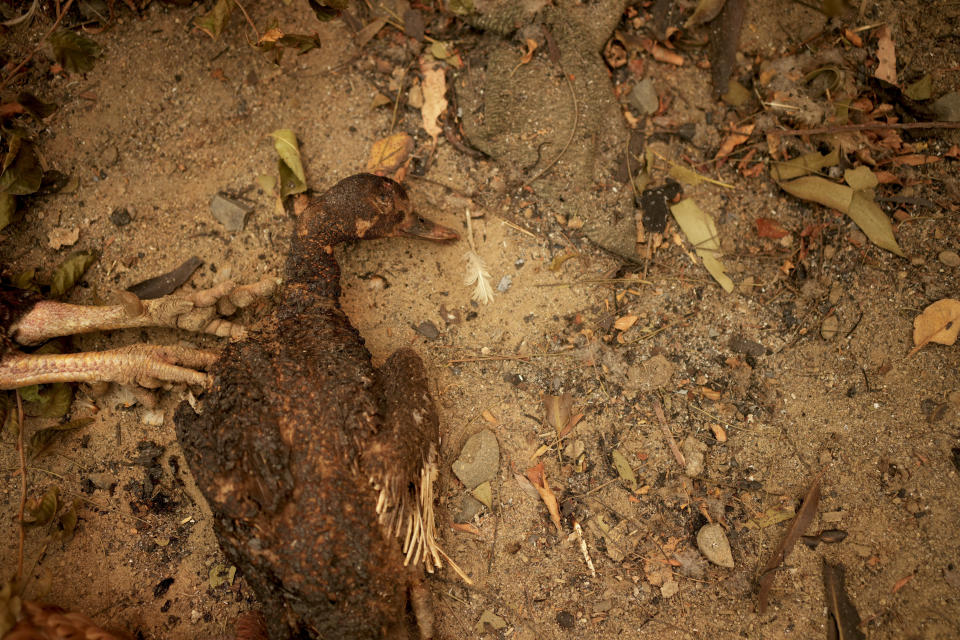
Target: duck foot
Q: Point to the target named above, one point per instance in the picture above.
(201, 311)
(147, 365)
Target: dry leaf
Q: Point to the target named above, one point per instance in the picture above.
(701, 232)
(733, 140)
(939, 322)
(389, 156)
(770, 228)
(802, 520)
(886, 56)
(843, 621)
(624, 470)
(557, 410)
(625, 322)
(538, 478)
(434, 100)
(528, 56)
(857, 204)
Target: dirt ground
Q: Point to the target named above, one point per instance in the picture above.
(168, 117)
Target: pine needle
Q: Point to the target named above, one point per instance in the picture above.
(477, 274)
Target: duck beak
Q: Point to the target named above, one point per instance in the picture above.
(418, 227)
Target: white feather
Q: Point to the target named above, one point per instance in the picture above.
(478, 275)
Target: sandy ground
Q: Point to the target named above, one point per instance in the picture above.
(168, 118)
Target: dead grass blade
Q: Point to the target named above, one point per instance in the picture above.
(538, 478)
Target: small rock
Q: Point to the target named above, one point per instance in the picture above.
(120, 217)
(231, 213)
(949, 258)
(832, 516)
(152, 418)
(830, 327)
(739, 344)
(947, 107)
(713, 544)
(669, 589)
(488, 617)
(693, 453)
(644, 98)
(479, 459)
(468, 510)
(566, 620)
(504, 283)
(835, 292)
(102, 480)
(652, 374)
(428, 330)
(602, 606)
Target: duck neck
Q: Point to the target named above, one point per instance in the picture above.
(311, 266)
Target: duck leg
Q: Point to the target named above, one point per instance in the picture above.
(146, 365)
(200, 311)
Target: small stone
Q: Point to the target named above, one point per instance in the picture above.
(152, 418)
(739, 344)
(428, 330)
(120, 217)
(488, 617)
(832, 516)
(949, 258)
(713, 544)
(566, 620)
(109, 157)
(603, 606)
(835, 292)
(693, 453)
(479, 459)
(504, 283)
(947, 107)
(830, 327)
(231, 213)
(644, 98)
(669, 589)
(468, 510)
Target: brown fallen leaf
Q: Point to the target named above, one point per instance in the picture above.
(434, 100)
(886, 56)
(625, 322)
(389, 156)
(538, 478)
(738, 136)
(799, 524)
(770, 228)
(843, 621)
(939, 322)
(528, 56)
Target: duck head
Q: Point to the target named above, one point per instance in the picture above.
(370, 206)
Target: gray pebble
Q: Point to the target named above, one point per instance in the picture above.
(479, 459)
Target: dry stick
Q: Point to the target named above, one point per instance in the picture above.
(249, 21)
(666, 431)
(864, 127)
(29, 57)
(23, 484)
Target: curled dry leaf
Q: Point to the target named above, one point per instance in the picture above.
(886, 56)
(939, 322)
(434, 100)
(538, 478)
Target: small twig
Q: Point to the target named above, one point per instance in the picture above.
(870, 126)
(517, 227)
(520, 358)
(29, 57)
(23, 485)
(666, 432)
(249, 21)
